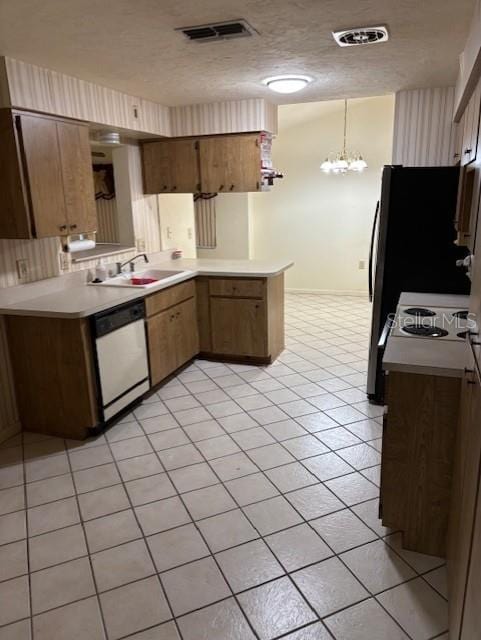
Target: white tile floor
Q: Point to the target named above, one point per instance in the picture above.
(236, 503)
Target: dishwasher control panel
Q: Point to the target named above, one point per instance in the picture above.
(113, 319)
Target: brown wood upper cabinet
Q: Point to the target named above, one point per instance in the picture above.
(171, 166)
(208, 164)
(230, 163)
(46, 176)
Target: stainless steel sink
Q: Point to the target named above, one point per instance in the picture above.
(158, 276)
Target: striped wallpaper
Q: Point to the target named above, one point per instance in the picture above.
(27, 86)
(30, 87)
(42, 256)
(235, 116)
(424, 133)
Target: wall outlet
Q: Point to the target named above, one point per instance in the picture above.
(362, 264)
(168, 232)
(22, 269)
(189, 233)
(140, 244)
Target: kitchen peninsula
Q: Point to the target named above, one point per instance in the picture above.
(226, 310)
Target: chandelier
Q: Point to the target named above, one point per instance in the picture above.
(344, 160)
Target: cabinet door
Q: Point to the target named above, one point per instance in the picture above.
(238, 327)
(471, 127)
(230, 163)
(466, 202)
(184, 166)
(44, 170)
(472, 611)
(463, 500)
(187, 333)
(78, 182)
(170, 167)
(161, 335)
(155, 167)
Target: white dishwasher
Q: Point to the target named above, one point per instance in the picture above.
(121, 357)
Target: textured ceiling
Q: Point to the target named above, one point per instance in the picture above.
(131, 45)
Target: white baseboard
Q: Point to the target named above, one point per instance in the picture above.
(331, 292)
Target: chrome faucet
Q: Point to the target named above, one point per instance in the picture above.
(120, 265)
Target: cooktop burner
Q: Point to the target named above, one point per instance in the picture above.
(428, 332)
(461, 314)
(419, 311)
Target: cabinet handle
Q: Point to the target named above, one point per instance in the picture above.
(164, 188)
(456, 155)
(177, 314)
(231, 187)
(63, 227)
(174, 188)
(466, 151)
(221, 187)
(73, 226)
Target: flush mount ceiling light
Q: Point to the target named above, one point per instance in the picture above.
(287, 84)
(344, 160)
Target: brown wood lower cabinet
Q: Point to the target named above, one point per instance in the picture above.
(417, 458)
(238, 327)
(241, 319)
(464, 549)
(52, 358)
(173, 336)
(54, 375)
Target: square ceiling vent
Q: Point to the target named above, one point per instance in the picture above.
(218, 31)
(361, 36)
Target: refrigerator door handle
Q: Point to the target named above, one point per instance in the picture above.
(371, 250)
(385, 333)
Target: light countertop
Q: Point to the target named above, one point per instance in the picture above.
(84, 300)
(428, 356)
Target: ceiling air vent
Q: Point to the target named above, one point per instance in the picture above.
(361, 35)
(218, 31)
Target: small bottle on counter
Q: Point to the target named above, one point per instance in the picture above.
(101, 272)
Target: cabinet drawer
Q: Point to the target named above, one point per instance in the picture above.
(236, 288)
(168, 297)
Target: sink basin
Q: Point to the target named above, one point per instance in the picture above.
(139, 279)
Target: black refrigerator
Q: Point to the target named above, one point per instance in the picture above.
(412, 249)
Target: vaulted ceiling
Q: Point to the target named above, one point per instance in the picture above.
(132, 45)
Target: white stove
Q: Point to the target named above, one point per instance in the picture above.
(440, 323)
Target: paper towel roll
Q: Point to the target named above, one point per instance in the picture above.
(80, 245)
